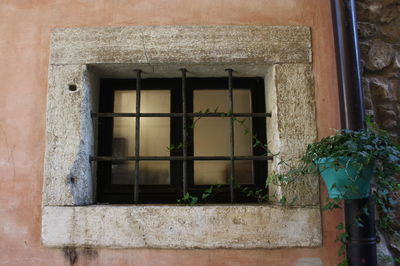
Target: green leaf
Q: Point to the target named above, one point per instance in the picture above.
(208, 190)
(256, 143)
(341, 250)
(340, 226)
(186, 196)
(194, 201)
(283, 200)
(330, 205)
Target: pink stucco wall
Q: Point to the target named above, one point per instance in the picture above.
(25, 27)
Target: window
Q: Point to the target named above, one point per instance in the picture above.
(159, 138)
(83, 56)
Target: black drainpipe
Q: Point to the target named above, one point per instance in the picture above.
(361, 245)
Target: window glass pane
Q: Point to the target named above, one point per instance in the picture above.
(155, 101)
(154, 172)
(123, 172)
(241, 101)
(210, 99)
(151, 172)
(124, 102)
(218, 100)
(123, 143)
(154, 132)
(154, 136)
(243, 136)
(152, 101)
(211, 172)
(244, 172)
(218, 172)
(154, 141)
(211, 136)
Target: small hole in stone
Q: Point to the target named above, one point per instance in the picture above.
(72, 87)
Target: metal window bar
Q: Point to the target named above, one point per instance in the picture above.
(137, 136)
(184, 133)
(180, 158)
(231, 134)
(96, 115)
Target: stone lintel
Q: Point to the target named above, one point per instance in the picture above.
(182, 45)
(206, 226)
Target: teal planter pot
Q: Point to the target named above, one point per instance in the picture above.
(345, 177)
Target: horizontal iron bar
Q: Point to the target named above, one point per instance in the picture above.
(180, 115)
(179, 158)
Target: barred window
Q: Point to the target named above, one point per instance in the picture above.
(162, 138)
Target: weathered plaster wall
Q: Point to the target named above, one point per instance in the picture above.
(25, 27)
(379, 29)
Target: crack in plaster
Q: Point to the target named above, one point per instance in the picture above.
(145, 51)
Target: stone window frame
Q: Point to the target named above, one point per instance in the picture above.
(80, 56)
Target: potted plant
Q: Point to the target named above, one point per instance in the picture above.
(348, 161)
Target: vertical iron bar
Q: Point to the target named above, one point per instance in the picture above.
(137, 135)
(184, 132)
(232, 140)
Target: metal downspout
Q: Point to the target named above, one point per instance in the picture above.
(361, 245)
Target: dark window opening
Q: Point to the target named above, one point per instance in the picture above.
(142, 152)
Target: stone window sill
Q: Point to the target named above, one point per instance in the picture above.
(169, 226)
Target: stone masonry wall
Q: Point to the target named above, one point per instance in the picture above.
(379, 33)
(379, 29)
